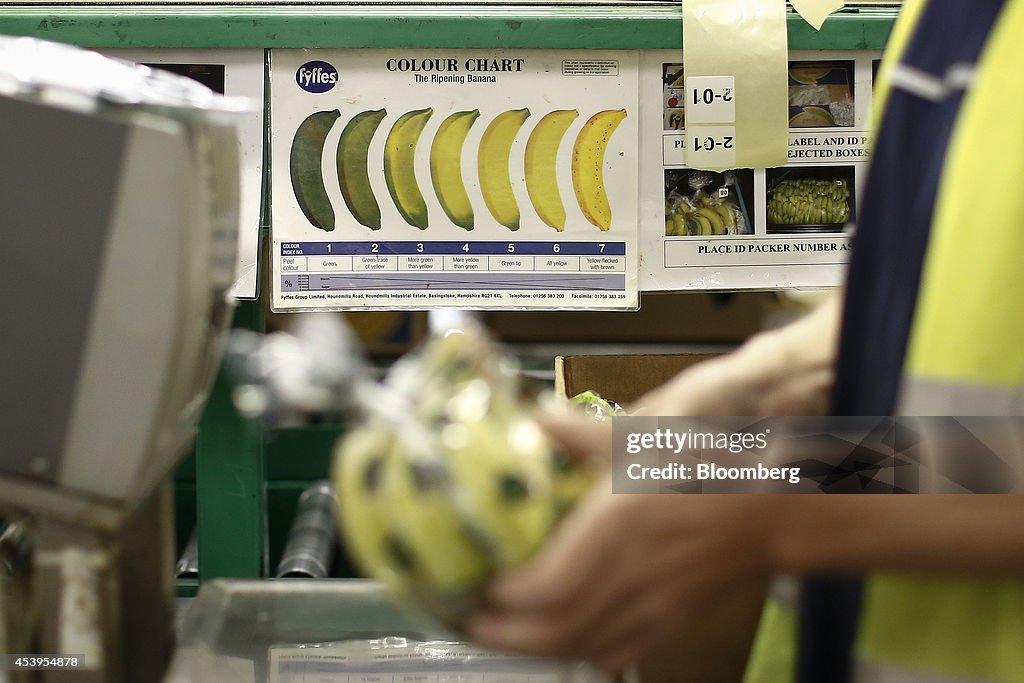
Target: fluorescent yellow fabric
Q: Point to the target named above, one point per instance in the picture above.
(968, 330)
(947, 627)
(969, 324)
(773, 656)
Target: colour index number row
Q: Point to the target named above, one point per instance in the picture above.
(555, 247)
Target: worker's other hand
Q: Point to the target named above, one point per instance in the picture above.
(620, 569)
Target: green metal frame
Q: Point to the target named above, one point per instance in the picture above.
(244, 480)
(322, 26)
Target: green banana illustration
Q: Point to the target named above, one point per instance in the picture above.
(353, 173)
(588, 166)
(540, 165)
(492, 166)
(446, 167)
(304, 165)
(399, 166)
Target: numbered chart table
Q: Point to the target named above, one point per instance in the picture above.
(414, 274)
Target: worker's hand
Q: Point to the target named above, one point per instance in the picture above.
(620, 569)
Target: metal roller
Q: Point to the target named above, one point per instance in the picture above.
(313, 537)
(188, 564)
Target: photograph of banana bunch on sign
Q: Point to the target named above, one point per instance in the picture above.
(472, 178)
(757, 228)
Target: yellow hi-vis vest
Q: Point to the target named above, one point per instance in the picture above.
(965, 356)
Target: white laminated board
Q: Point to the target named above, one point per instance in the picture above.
(755, 228)
(454, 178)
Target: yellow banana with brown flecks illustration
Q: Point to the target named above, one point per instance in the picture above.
(588, 166)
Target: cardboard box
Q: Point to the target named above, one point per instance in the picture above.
(381, 333)
(687, 317)
(620, 378)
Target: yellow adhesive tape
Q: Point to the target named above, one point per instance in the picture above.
(815, 12)
(735, 61)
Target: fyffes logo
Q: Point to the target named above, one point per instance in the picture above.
(316, 76)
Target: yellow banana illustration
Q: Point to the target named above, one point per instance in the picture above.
(492, 166)
(399, 167)
(305, 170)
(588, 166)
(353, 148)
(541, 155)
(446, 167)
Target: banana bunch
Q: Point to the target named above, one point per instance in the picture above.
(702, 215)
(808, 201)
(493, 159)
(451, 481)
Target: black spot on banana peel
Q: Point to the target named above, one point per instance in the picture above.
(305, 170)
(353, 172)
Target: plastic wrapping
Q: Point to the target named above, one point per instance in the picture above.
(451, 483)
(338, 631)
(443, 477)
(404, 659)
(597, 406)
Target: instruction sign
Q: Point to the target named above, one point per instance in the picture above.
(454, 178)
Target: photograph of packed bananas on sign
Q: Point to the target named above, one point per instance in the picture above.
(454, 178)
(756, 228)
